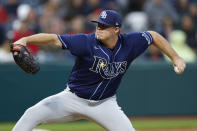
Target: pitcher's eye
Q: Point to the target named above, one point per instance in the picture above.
(102, 26)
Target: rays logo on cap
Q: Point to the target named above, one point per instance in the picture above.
(103, 15)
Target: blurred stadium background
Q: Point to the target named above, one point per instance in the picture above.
(150, 92)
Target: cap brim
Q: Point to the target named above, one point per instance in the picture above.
(101, 22)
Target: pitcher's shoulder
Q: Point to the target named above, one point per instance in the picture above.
(91, 35)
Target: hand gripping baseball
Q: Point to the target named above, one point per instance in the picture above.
(179, 65)
(24, 58)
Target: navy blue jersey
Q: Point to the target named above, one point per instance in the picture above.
(98, 70)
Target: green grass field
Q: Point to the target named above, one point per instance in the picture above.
(89, 126)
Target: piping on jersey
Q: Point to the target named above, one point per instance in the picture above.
(148, 37)
(103, 80)
(105, 88)
(62, 41)
(117, 51)
(95, 90)
(110, 79)
(105, 53)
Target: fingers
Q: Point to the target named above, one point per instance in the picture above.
(180, 67)
(178, 70)
(15, 53)
(20, 42)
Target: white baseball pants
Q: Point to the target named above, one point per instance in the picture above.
(66, 106)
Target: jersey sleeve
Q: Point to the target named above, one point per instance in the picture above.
(77, 43)
(139, 42)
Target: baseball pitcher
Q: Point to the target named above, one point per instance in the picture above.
(102, 58)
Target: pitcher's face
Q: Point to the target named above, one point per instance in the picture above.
(104, 32)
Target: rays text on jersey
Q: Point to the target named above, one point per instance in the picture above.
(108, 70)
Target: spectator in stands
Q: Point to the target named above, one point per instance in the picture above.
(92, 6)
(3, 14)
(182, 7)
(11, 7)
(123, 6)
(167, 27)
(78, 25)
(26, 13)
(109, 4)
(157, 10)
(136, 21)
(193, 13)
(135, 5)
(57, 26)
(33, 21)
(75, 7)
(187, 26)
(178, 42)
(55, 7)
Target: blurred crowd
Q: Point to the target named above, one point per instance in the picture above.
(176, 20)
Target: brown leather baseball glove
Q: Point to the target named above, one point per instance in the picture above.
(24, 58)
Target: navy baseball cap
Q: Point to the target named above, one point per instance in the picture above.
(110, 18)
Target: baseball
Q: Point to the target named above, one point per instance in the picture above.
(176, 69)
